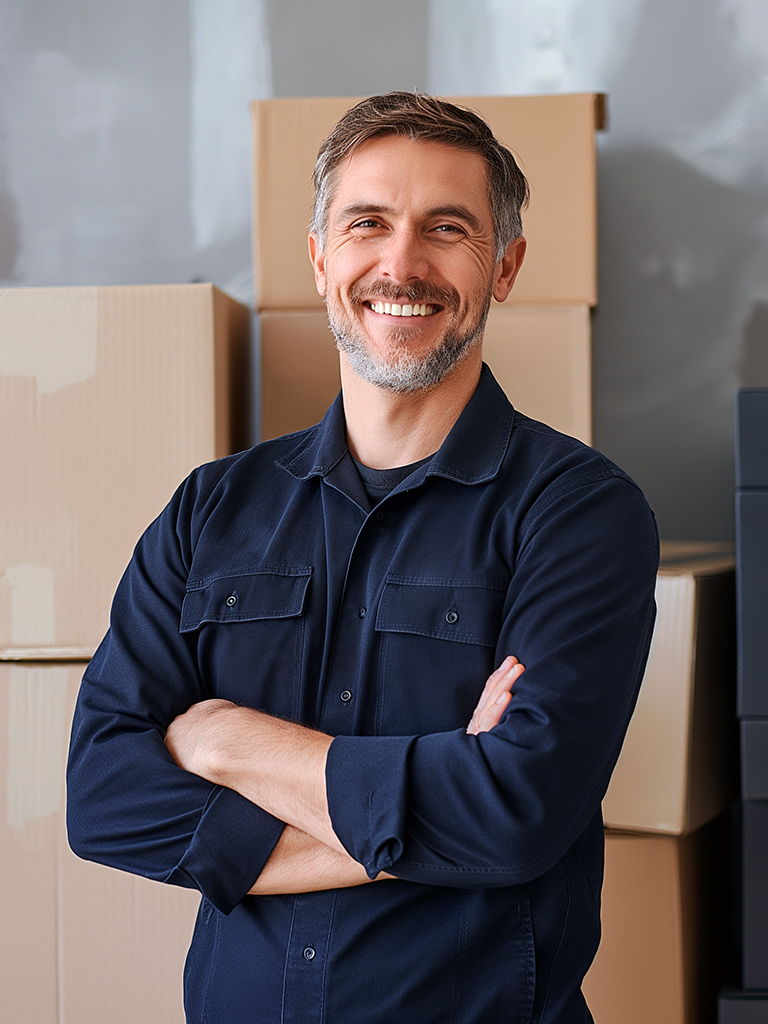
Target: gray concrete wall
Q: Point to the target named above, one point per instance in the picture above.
(124, 158)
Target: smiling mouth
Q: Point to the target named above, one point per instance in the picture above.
(406, 309)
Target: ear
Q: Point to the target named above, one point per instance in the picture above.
(508, 268)
(317, 257)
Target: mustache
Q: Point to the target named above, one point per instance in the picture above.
(417, 291)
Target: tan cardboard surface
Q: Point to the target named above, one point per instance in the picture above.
(656, 960)
(540, 356)
(553, 137)
(91, 453)
(678, 766)
(80, 943)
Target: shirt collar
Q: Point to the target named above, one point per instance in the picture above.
(471, 454)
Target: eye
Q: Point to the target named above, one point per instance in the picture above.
(448, 229)
(368, 222)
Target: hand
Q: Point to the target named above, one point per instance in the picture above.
(496, 696)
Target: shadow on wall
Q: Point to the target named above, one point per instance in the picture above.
(676, 332)
(754, 361)
(9, 233)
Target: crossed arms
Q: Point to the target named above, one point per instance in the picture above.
(280, 766)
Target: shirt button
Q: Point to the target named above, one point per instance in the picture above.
(232, 600)
(363, 612)
(346, 696)
(309, 954)
(380, 515)
(452, 617)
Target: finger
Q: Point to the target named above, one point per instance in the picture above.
(497, 700)
(498, 681)
(484, 721)
(493, 713)
(498, 674)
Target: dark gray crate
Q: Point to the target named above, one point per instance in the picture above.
(752, 602)
(743, 1008)
(752, 437)
(753, 901)
(754, 758)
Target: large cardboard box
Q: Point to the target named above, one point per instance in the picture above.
(678, 767)
(661, 958)
(108, 398)
(80, 943)
(539, 355)
(553, 136)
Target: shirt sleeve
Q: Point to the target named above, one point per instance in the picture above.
(503, 807)
(128, 804)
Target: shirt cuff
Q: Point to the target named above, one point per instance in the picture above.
(367, 788)
(232, 843)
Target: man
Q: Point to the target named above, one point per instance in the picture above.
(278, 715)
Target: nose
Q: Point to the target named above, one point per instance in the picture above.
(403, 257)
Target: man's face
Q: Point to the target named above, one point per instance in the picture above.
(408, 270)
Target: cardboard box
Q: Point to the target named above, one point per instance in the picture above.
(540, 356)
(678, 767)
(553, 137)
(108, 398)
(662, 909)
(80, 943)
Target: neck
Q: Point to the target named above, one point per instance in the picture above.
(385, 430)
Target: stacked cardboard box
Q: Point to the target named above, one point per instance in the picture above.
(662, 952)
(750, 1003)
(110, 396)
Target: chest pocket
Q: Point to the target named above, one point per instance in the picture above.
(272, 592)
(437, 647)
(467, 612)
(250, 634)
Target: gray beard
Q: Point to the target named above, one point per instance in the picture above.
(404, 371)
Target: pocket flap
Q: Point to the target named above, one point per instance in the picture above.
(272, 592)
(466, 610)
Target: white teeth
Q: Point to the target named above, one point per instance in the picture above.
(395, 309)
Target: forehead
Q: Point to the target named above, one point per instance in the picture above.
(398, 173)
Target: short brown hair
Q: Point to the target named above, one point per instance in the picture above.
(418, 116)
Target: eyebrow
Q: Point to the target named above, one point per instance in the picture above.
(453, 210)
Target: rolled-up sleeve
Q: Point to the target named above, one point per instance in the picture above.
(128, 804)
(503, 807)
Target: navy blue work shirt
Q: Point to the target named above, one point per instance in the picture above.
(270, 581)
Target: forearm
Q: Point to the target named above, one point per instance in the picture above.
(301, 863)
(277, 765)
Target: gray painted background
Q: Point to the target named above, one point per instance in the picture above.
(124, 158)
